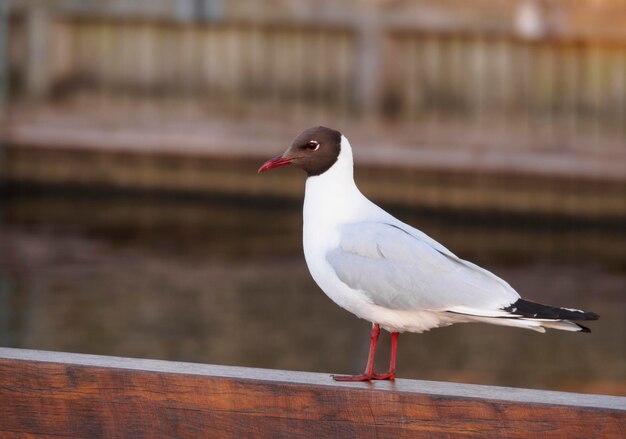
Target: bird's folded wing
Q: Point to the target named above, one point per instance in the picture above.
(399, 267)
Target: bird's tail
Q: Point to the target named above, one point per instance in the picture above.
(535, 316)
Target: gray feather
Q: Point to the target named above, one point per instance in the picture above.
(399, 267)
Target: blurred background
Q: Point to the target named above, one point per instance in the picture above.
(133, 222)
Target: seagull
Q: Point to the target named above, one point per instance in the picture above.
(389, 273)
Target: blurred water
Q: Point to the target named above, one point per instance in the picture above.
(223, 280)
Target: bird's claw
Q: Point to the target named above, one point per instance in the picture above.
(365, 377)
(391, 376)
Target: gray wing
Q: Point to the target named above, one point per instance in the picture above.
(399, 267)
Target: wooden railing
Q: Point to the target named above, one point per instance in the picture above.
(55, 394)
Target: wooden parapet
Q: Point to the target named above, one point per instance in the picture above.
(55, 394)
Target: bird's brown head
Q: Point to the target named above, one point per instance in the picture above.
(315, 150)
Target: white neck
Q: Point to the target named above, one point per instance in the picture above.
(332, 197)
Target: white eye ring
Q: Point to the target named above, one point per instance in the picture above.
(312, 145)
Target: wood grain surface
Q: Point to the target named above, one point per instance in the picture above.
(53, 394)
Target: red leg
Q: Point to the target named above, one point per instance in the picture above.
(369, 369)
(391, 374)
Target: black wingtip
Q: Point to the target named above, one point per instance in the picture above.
(591, 316)
(526, 308)
(583, 328)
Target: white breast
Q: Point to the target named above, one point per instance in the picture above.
(331, 200)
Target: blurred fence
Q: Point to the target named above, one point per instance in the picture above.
(558, 87)
(229, 61)
(225, 63)
(565, 85)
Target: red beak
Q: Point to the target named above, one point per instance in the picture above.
(274, 163)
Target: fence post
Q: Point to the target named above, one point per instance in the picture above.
(369, 34)
(38, 33)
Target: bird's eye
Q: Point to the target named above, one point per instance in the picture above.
(312, 145)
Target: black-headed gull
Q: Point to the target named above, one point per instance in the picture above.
(390, 273)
